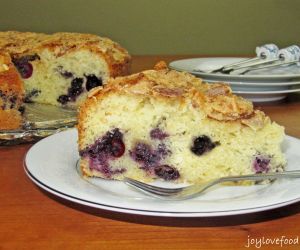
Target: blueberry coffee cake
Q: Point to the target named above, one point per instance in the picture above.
(58, 69)
(170, 125)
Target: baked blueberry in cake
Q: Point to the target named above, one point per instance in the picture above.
(169, 125)
(59, 69)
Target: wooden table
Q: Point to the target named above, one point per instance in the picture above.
(31, 218)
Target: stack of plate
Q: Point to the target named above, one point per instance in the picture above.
(264, 85)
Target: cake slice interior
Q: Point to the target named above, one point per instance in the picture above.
(163, 124)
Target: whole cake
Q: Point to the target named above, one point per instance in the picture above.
(57, 69)
(166, 124)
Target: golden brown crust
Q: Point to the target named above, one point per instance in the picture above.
(216, 101)
(10, 79)
(11, 87)
(19, 43)
(160, 65)
(10, 119)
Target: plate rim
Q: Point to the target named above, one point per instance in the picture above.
(257, 84)
(140, 211)
(266, 92)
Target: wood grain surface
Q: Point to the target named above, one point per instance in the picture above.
(31, 218)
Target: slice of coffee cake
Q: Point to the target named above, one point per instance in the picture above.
(166, 124)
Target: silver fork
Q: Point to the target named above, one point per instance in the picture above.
(269, 66)
(191, 191)
(227, 70)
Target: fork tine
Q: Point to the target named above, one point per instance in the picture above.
(147, 191)
(194, 190)
(152, 188)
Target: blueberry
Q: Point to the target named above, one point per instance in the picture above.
(117, 148)
(77, 82)
(157, 133)
(162, 150)
(105, 169)
(106, 148)
(261, 164)
(73, 93)
(63, 99)
(203, 144)
(166, 172)
(25, 69)
(143, 153)
(24, 66)
(111, 144)
(148, 157)
(76, 87)
(92, 82)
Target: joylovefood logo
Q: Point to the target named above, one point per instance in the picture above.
(282, 241)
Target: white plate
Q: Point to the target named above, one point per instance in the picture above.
(260, 86)
(264, 96)
(287, 91)
(51, 164)
(194, 64)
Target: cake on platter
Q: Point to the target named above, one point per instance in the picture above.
(164, 124)
(57, 69)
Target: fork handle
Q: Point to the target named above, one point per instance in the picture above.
(262, 176)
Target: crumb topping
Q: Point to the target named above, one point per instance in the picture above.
(19, 43)
(216, 100)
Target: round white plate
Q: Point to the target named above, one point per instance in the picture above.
(210, 63)
(287, 91)
(259, 84)
(51, 164)
(264, 95)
